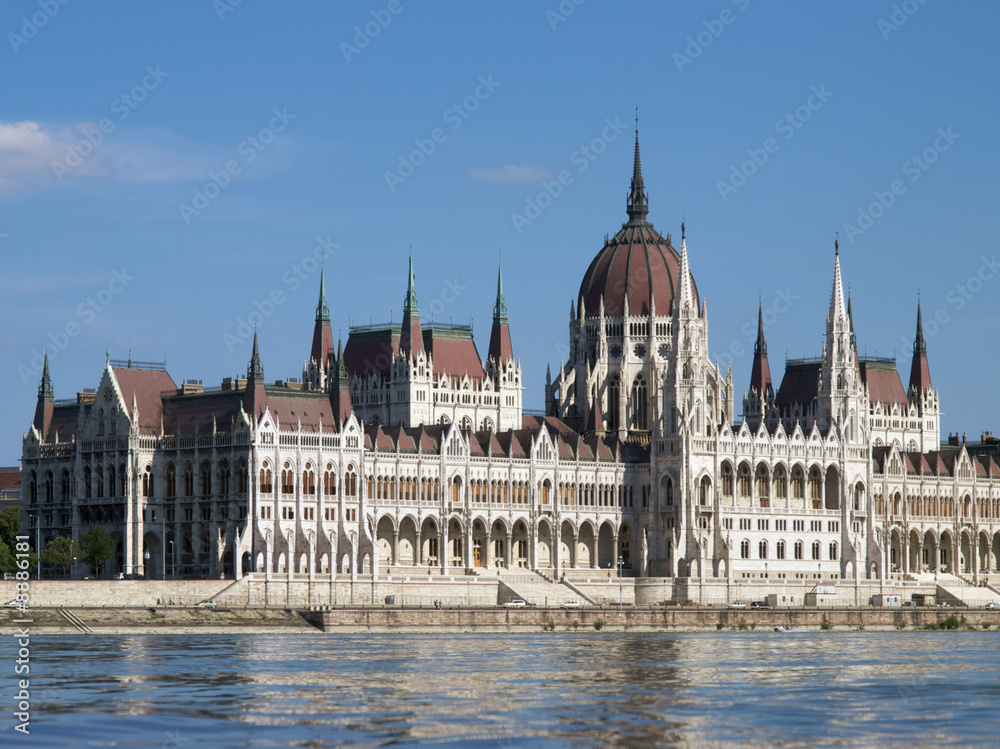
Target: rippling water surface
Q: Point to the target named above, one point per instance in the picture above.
(519, 690)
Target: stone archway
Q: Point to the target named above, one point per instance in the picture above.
(544, 546)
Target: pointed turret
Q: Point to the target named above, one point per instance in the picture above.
(255, 397)
(322, 343)
(838, 310)
(411, 341)
(638, 203)
(760, 374)
(46, 401)
(685, 296)
(500, 348)
(920, 373)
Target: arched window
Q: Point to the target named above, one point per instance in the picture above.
(815, 485)
(614, 403)
(308, 480)
(147, 482)
(780, 483)
(111, 481)
(762, 485)
(100, 422)
(225, 476)
(815, 550)
(350, 482)
(779, 550)
(188, 480)
(833, 551)
(206, 478)
(50, 488)
(122, 477)
(487, 424)
(171, 480)
(798, 550)
(287, 479)
(727, 480)
(640, 403)
(798, 483)
(99, 479)
(330, 481)
(762, 549)
(668, 492)
(87, 486)
(266, 486)
(242, 486)
(64, 486)
(743, 481)
(744, 549)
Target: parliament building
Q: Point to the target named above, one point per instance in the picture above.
(405, 451)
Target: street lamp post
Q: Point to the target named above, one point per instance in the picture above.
(145, 559)
(171, 558)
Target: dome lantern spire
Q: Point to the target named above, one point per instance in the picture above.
(638, 202)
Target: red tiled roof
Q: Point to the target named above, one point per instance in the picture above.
(186, 414)
(371, 351)
(10, 479)
(454, 352)
(800, 384)
(148, 386)
(884, 385)
(290, 407)
(63, 424)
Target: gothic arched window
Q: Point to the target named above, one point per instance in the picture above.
(640, 403)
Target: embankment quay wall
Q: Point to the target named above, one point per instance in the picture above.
(680, 618)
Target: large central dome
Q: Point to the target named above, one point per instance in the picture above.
(637, 264)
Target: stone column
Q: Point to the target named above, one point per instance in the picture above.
(574, 552)
(395, 546)
(418, 553)
(509, 555)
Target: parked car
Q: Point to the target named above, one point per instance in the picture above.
(515, 603)
(571, 605)
(210, 604)
(758, 605)
(993, 605)
(737, 605)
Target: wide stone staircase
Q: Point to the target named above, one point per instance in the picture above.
(957, 591)
(536, 589)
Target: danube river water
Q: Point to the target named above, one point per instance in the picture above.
(519, 690)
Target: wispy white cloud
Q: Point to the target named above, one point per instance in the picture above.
(511, 173)
(37, 155)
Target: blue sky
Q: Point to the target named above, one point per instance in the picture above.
(358, 129)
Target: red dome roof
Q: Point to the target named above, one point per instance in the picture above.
(637, 263)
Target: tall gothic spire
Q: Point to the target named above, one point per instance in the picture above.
(46, 401)
(685, 296)
(500, 347)
(411, 340)
(920, 373)
(500, 306)
(638, 203)
(760, 374)
(837, 308)
(255, 372)
(410, 305)
(322, 310)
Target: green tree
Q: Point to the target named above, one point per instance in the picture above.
(96, 546)
(10, 526)
(7, 561)
(59, 552)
